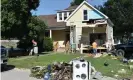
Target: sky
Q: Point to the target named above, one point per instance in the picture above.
(47, 7)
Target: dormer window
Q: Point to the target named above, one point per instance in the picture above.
(85, 15)
(65, 15)
(60, 16)
(70, 13)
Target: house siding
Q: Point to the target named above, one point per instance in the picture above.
(58, 36)
(77, 20)
(78, 16)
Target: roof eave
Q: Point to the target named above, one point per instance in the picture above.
(110, 22)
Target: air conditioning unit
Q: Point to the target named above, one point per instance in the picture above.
(81, 70)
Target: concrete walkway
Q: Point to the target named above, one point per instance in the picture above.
(16, 74)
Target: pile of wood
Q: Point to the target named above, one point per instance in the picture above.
(61, 71)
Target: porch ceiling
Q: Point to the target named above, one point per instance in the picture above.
(56, 28)
(95, 25)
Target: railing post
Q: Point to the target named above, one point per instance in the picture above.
(81, 49)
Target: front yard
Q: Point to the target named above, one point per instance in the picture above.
(110, 70)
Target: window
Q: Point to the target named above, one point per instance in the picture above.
(65, 15)
(85, 15)
(60, 16)
(70, 13)
(47, 33)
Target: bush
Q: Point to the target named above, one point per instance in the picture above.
(38, 72)
(48, 44)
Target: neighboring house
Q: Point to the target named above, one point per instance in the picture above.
(79, 24)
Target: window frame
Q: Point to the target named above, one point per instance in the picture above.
(83, 15)
(60, 16)
(65, 15)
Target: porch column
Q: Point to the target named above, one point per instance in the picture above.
(68, 14)
(50, 33)
(78, 36)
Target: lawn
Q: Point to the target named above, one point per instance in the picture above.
(98, 63)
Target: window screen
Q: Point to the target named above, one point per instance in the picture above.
(60, 16)
(85, 15)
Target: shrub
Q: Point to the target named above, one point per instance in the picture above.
(38, 72)
(48, 44)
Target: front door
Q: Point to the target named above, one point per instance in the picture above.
(67, 37)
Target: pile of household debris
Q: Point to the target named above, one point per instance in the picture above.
(65, 71)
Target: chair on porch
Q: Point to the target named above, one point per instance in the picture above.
(70, 48)
(67, 47)
(56, 46)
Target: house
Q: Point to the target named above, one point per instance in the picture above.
(80, 24)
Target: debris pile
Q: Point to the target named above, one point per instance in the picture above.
(57, 70)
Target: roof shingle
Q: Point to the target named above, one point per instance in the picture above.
(51, 20)
(72, 7)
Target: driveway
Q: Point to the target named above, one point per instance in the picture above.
(16, 74)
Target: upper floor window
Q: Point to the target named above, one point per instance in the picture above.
(85, 15)
(65, 15)
(60, 16)
(70, 13)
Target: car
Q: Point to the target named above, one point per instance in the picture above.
(4, 56)
(125, 49)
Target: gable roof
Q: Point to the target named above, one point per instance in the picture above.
(85, 2)
(72, 7)
(51, 21)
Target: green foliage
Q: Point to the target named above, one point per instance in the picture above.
(48, 44)
(120, 12)
(76, 2)
(38, 72)
(36, 28)
(18, 22)
(16, 16)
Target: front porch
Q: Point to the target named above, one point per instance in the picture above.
(90, 34)
(84, 36)
(80, 36)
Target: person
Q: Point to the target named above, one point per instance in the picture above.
(35, 48)
(94, 46)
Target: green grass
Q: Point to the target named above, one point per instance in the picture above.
(28, 62)
(98, 63)
(114, 65)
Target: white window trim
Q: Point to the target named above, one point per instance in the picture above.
(62, 16)
(58, 17)
(83, 15)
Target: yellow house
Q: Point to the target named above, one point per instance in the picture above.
(80, 24)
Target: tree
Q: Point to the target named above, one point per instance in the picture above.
(36, 28)
(120, 12)
(15, 17)
(76, 2)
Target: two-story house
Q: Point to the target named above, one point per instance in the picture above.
(79, 24)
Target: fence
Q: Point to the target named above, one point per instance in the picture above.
(9, 43)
